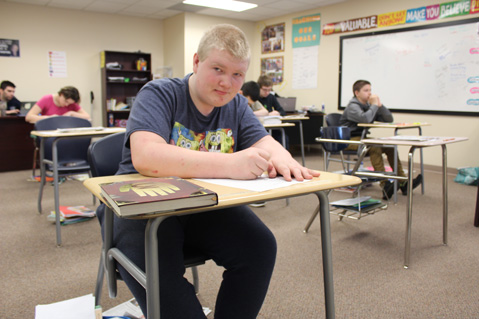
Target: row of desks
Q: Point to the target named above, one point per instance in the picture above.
(229, 197)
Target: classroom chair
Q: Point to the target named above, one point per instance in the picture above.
(104, 157)
(332, 119)
(72, 153)
(339, 137)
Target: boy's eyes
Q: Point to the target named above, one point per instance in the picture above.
(235, 74)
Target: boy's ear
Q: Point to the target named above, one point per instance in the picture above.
(196, 61)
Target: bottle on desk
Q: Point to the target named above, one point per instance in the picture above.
(322, 107)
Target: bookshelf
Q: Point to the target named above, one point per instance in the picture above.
(121, 84)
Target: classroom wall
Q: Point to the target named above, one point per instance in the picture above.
(173, 52)
(179, 52)
(82, 35)
(459, 155)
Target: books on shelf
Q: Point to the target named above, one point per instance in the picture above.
(156, 195)
(72, 214)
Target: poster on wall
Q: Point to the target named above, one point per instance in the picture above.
(306, 32)
(57, 64)
(10, 48)
(274, 68)
(272, 38)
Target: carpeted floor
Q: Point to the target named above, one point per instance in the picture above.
(369, 280)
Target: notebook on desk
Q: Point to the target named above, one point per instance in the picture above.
(287, 103)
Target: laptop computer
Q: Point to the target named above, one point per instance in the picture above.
(287, 103)
(25, 107)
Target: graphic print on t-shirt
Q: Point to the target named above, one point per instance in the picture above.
(220, 140)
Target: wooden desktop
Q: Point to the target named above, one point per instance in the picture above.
(228, 197)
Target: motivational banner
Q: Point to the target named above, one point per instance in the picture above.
(432, 12)
(306, 31)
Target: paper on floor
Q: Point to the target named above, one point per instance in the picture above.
(76, 308)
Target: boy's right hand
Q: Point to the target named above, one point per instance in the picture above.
(374, 100)
(249, 163)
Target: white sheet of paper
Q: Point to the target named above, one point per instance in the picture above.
(76, 308)
(260, 184)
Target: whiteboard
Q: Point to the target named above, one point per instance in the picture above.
(426, 69)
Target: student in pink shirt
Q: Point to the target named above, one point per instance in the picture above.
(65, 102)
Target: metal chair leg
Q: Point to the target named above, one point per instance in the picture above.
(196, 281)
(311, 219)
(99, 280)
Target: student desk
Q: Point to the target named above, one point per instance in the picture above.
(230, 197)
(281, 126)
(57, 135)
(299, 119)
(421, 142)
(397, 127)
(311, 128)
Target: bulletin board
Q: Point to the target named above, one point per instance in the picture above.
(273, 67)
(425, 69)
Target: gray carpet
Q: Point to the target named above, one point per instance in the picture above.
(369, 280)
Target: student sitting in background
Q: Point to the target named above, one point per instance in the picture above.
(250, 90)
(267, 99)
(271, 104)
(65, 103)
(7, 94)
(365, 107)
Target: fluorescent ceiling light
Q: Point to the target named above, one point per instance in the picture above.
(230, 5)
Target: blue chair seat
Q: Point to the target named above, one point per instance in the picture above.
(72, 153)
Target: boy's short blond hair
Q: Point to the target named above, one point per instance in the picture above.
(225, 37)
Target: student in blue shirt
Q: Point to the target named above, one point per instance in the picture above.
(199, 126)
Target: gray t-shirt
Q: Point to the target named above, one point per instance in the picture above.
(164, 107)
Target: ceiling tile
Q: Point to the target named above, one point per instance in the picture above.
(285, 5)
(160, 9)
(158, 4)
(37, 2)
(106, 6)
(163, 14)
(69, 4)
(137, 9)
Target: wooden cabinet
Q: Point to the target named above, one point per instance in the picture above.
(123, 74)
(16, 146)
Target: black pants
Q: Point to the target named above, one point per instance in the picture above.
(235, 238)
